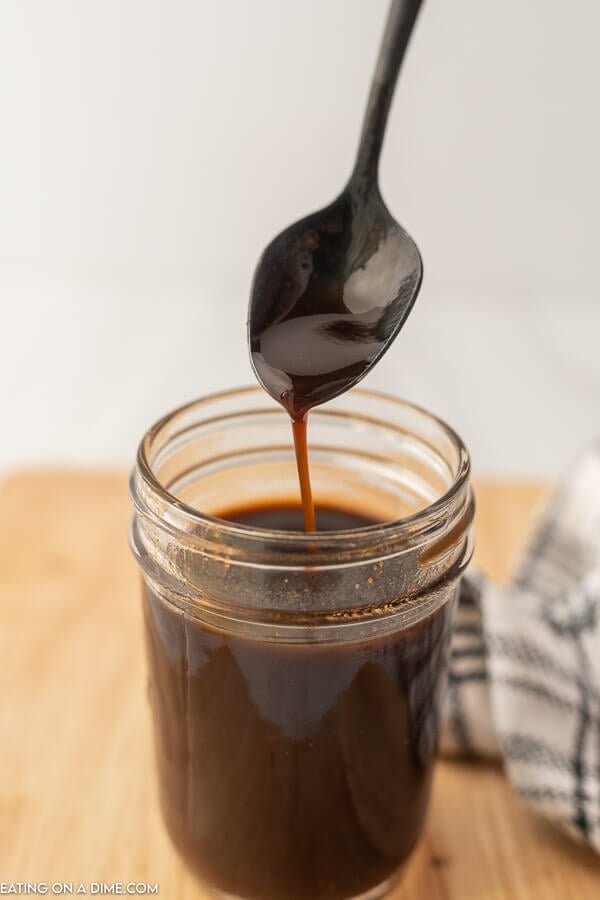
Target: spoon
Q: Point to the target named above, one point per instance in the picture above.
(331, 292)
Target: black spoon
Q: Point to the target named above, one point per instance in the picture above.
(332, 291)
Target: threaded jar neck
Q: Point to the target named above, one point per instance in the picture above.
(371, 453)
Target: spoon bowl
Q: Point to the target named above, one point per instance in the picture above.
(330, 294)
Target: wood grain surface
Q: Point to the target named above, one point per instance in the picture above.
(77, 799)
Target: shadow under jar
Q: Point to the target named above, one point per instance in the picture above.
(296, 679)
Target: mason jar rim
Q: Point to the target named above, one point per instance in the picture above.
(418, 522)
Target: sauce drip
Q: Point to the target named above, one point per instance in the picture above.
(299, 428)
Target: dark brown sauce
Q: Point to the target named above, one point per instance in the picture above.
(289, 517)
(299, 430)
(294, 770)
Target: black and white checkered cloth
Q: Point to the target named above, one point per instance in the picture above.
(525, 669)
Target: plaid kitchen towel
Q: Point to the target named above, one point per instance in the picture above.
(525, 666)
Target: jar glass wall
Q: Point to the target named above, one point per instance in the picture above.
(296, 679)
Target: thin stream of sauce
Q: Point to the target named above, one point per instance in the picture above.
(299, 427)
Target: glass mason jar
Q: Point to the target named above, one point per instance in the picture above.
(296, 679)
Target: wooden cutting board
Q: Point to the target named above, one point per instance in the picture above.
(77, 794)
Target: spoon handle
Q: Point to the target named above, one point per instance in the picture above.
(398, 29)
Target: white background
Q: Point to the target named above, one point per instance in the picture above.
(148, 151)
